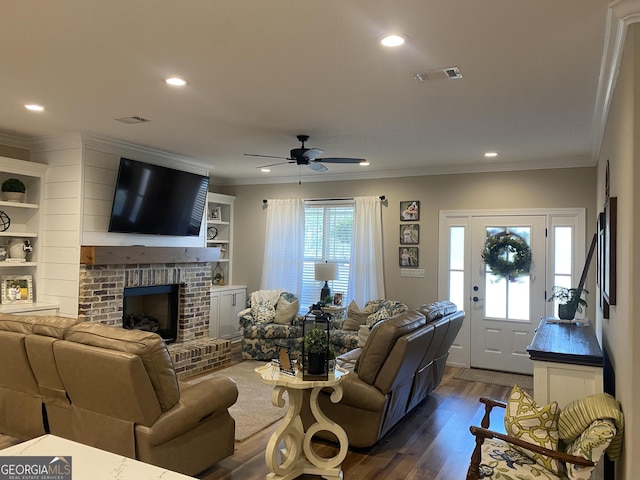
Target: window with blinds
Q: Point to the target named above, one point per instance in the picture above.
(328, 234)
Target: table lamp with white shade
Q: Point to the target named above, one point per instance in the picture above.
(324, 272)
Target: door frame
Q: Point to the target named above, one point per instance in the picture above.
(460, 351)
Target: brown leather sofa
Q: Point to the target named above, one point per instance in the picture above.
(110, 388)
(402, 361)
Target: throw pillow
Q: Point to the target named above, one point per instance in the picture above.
(591, 444)
(286, 309)
(265, 313)
(525, 420)
(355, 317)
(374, 318)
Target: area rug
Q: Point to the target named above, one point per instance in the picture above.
(253, 411)
(496, 378)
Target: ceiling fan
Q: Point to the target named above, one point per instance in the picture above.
(307, 156)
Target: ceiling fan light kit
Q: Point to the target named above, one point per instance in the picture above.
(309, 157)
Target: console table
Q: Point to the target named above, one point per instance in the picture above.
(567, 362)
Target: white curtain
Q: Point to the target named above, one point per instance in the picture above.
(366, 276)
(284, 246)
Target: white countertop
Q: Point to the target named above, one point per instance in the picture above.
(89, 463)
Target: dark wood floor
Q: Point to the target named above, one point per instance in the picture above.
(432, 443)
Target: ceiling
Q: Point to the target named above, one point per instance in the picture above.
(261, 72)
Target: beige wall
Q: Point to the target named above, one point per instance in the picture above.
(528, 189)
(621, 332)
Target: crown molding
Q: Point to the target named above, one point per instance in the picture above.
(14, 142)
(115, 147)
(570, 162)
(621, 14)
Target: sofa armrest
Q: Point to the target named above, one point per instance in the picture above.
(357, 393)
(197, 402)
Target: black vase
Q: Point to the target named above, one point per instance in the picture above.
(567, 311)
(317, 363)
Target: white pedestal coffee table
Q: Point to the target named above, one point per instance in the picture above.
(298, 457)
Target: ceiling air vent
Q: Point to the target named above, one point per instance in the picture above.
(442, 74)
(135, 119)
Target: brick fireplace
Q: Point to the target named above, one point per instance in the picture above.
(101, 299)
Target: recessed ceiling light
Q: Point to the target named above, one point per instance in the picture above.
(34, 108)
(364, 163)
(175, 81)
(392, 40)
(265, 170)
(491, 154)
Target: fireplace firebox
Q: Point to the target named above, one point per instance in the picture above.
(152, 308)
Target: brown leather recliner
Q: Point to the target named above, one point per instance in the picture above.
(126, 399)
(113, 389)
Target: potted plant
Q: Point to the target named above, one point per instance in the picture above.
(13, 190)
(316, 346)
(569, 300)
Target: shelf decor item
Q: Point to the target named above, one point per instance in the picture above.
(5, 222)
(17, 289)
(13, 190)
(507, 255)
(217, 277)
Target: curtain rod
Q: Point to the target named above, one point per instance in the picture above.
(382, 198)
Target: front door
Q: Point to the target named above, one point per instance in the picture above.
(505, 312)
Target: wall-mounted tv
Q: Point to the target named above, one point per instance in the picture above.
(154, 200)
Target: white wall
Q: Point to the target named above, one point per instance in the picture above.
(60, 223)
(79, 186)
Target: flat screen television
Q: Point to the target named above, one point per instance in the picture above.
(155, 200)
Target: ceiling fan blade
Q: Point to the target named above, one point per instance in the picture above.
(265, 156)
(340, 160)
(312, 153)
(274, 164)
(318, 167)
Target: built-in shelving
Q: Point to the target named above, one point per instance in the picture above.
(25, 224)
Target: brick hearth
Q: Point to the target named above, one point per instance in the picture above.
(101, 300)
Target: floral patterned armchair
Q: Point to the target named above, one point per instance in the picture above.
(544, 442)
(352, 332)
(271, 322)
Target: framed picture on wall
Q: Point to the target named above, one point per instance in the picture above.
(610, 254)
(408, 257)
(409, 234)
(17, 289)
(410, 210)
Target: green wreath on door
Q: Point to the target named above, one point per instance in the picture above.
(507, 255)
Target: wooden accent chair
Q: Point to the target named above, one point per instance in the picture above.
(585, 429)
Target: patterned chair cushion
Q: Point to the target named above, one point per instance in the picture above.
(591, 445)
(264, 312)
(343, 340)
(272, 330)
(381, 314)
(501, 462)
(525, 420)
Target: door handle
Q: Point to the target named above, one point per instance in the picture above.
(475, 299)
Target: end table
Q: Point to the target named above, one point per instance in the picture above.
(298, 457)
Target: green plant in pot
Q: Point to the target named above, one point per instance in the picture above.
(569, 300)
(316, 346)
(13, 189)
